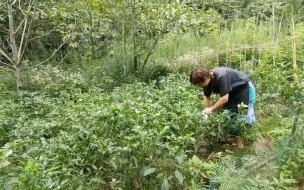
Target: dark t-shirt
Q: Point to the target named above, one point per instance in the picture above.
(229, 81)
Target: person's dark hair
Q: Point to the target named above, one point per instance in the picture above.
(199, 75)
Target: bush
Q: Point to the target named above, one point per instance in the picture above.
(136, 135)
(52, 80)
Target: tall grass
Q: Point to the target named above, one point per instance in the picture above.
(241, 43)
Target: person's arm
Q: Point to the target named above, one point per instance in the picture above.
(220, 103)
(207, 101)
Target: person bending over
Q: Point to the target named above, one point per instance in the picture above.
(234, 87)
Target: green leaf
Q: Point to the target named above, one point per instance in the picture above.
(165, 185)
(49, 182)
(94, 167)
(64, 182)
(8, 153)
(13, 181)
(146, 171)
(113, 164)
(8, 187)
(160, 175)
(180, 159)
(196, 160)
(275, 180)
(135, 161)
(4, 164)
(18, 145)
(179, 176)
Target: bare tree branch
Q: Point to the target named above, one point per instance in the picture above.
(12, 37)
(10, 70)
(64, 58)
(4, 28)
(47, 58)
(42, 35)
(154, 44)
(5, 55)
(21, 23)
(8, 65)
(22, 38)
(29, 28)
(19, 4)
(14, 2)
(114, 7)
(151, 51)
(3, 49)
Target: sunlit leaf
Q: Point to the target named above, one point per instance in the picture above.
(165, 185)
(179, 176)
(145, 171)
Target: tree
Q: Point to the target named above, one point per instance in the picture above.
(17, 26)
(142, 24)
(132, 27)
(82, 25)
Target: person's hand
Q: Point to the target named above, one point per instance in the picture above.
(207, 111)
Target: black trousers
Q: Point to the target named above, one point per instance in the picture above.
(237, 96)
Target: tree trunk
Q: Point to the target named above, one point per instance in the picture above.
(18, 80)
(13, 44)
(123, 44)
(91, 36)
(135, 63)
(12, 33)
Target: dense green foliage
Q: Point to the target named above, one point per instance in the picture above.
(94, 139)
(106, 102)
(139, 135)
